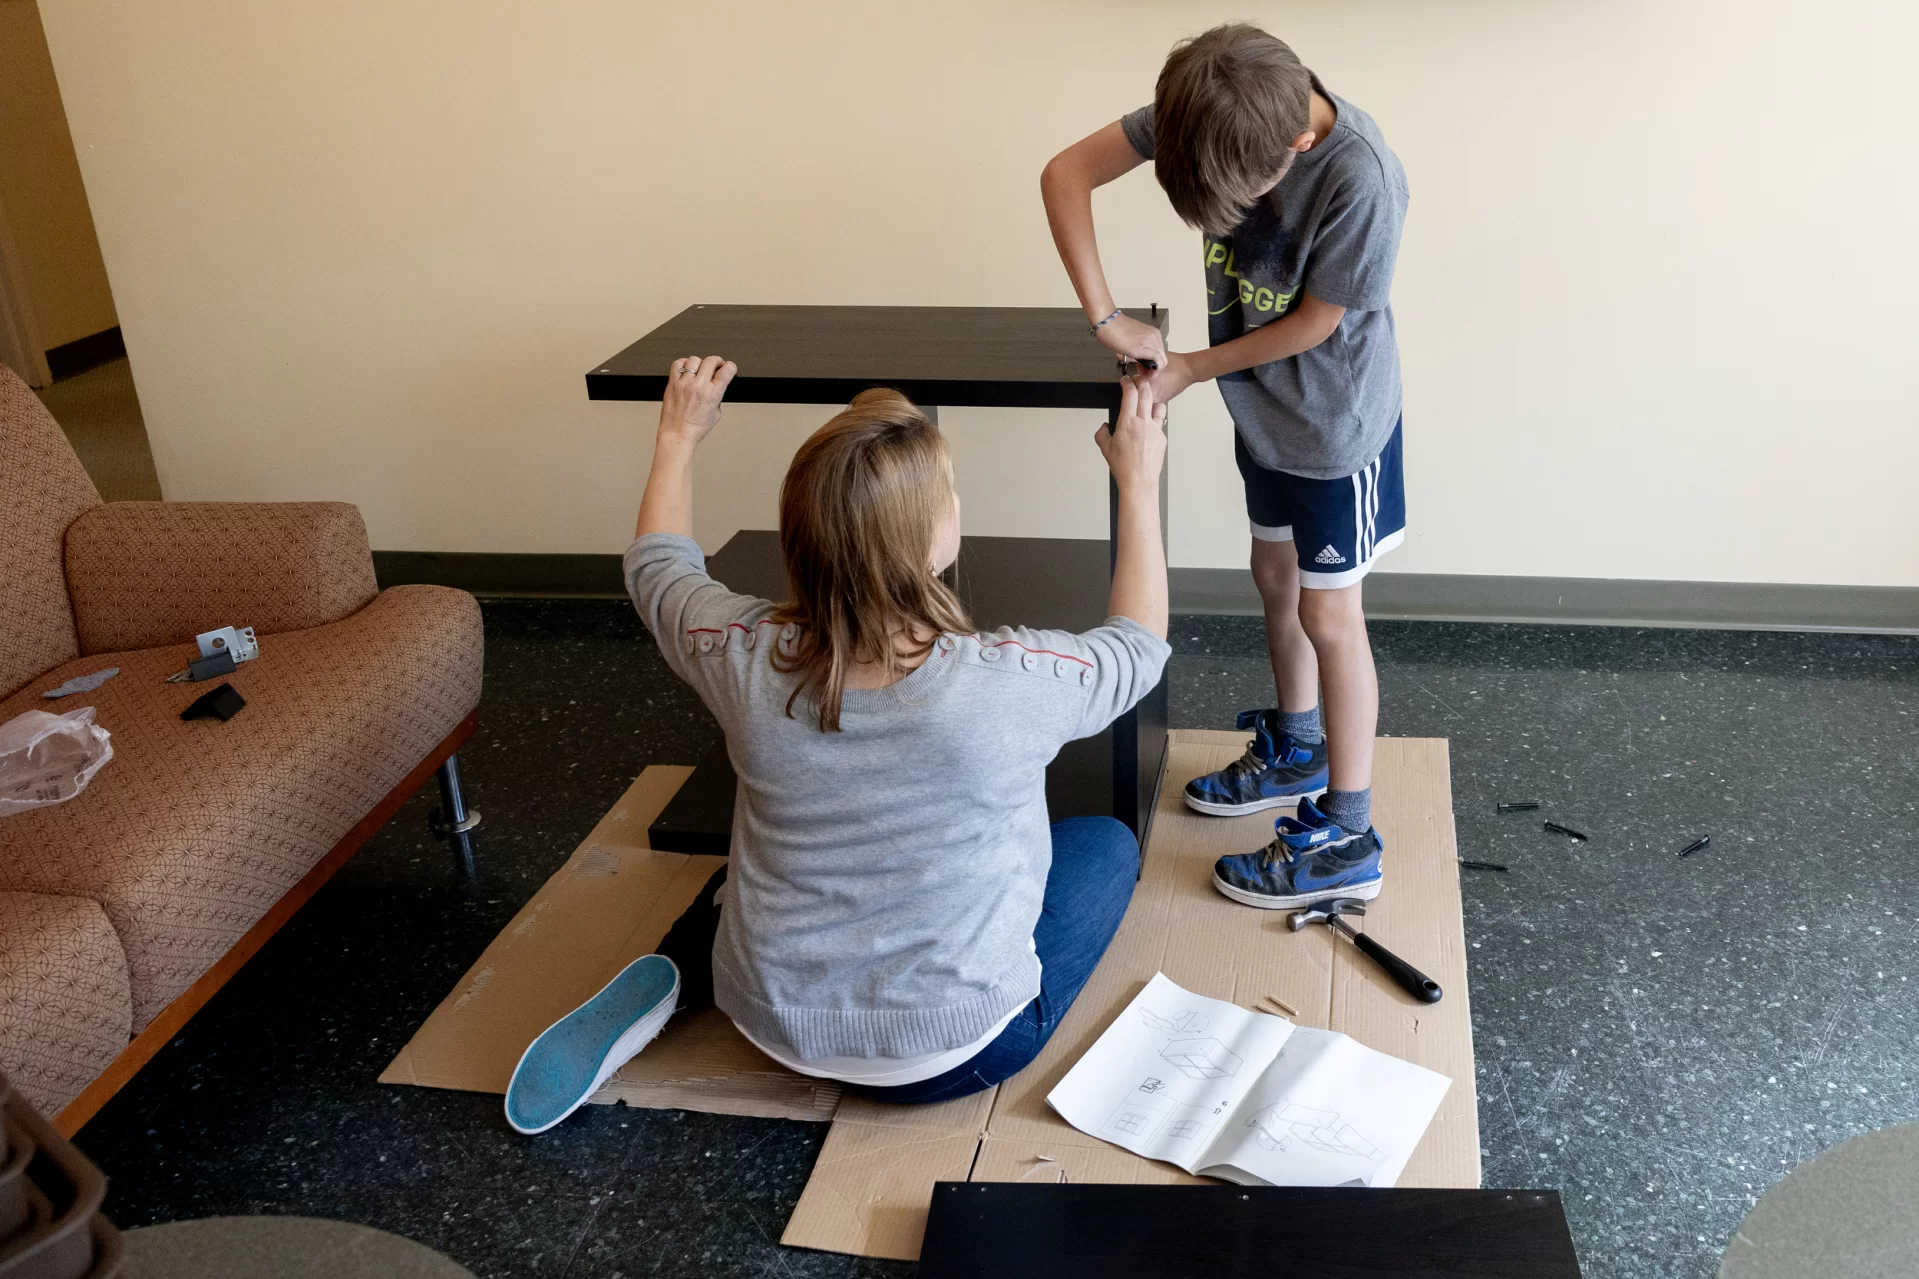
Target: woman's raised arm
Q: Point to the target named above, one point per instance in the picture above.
(688, 413)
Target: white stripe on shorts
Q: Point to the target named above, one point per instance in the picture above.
(1372, 511)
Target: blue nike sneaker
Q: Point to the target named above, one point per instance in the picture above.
(1275, 772)
(1310, 859)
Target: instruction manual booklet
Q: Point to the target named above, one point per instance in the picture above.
(1247, 1097)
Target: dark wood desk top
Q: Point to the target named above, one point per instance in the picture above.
(997, 356)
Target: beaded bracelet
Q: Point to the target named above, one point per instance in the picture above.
(1103, 323)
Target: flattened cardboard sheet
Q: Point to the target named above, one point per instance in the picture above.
(611, 903)
(615, 898)
(869, 1192)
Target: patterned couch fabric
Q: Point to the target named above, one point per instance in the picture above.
(274, 566)
(65, 1013)
(196, 829)
(42, 491)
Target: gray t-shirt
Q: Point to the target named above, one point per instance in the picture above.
(1331, 228)
(884, 880)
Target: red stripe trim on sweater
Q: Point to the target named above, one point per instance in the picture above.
(1044, 651)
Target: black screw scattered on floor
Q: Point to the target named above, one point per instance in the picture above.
(1519, 806)
(1567, 831)
(1695, 846)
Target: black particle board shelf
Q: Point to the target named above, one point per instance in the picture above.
(1029, 581)
(972, 356)
(1005, 1230)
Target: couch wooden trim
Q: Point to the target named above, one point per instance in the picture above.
(176, 1014)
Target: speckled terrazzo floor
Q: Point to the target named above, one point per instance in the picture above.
(1659, 1039)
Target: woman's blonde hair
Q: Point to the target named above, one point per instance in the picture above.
(859, 508)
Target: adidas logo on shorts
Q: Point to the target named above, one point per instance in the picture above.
(1329, 556)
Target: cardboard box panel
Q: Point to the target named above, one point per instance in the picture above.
(853, 1202)
(1001, 1159)
(615, 898)
(611, 903)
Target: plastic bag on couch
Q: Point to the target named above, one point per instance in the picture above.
(48, 759)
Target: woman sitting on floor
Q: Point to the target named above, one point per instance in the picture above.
(896, 913)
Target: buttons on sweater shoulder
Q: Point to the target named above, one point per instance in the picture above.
(1040, 662)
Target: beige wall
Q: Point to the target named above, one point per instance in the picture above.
(1655, 296)
(46, 205)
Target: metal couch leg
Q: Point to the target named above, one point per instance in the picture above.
(453, 818)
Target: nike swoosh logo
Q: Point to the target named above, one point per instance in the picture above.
(1306, 878)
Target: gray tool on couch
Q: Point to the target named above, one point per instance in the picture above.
(1410, 979)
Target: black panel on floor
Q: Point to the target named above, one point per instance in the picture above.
(1010, 1231)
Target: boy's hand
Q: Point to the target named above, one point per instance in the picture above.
(691, 407)
(1135, 445)
(1175, 374)
(1133, 339)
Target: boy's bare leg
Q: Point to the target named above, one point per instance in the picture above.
(1295, 666)
(1336, 624)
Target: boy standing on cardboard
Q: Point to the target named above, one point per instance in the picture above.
(1301, 203)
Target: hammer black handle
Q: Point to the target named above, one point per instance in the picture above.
(1410, 979)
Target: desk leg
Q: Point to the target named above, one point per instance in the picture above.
(1139, 736)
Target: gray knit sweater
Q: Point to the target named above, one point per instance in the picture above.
(885, 879)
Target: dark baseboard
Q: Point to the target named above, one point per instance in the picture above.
(1421, 597)
(86, 353)
(508, 575)
(1588, 601)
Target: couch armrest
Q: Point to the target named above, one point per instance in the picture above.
(143, 574)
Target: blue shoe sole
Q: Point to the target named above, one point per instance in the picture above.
(575, 1055)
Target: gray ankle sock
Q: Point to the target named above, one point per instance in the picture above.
(1302, 726)
(1352, 809)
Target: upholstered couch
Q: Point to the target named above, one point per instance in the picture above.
(123, 909)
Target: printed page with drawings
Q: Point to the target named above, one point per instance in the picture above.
(1247, 1097)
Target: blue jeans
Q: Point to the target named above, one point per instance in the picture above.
(1095, 865)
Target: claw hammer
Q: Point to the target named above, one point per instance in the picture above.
(1410, 979)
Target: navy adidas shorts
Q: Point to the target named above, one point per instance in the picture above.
(1339, 527)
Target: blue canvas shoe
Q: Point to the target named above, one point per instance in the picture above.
(576, 1054)
(1275, 772)
(1309, 860)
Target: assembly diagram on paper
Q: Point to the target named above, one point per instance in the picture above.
(1223, 1091)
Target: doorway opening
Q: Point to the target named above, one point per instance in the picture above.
(58, 327)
